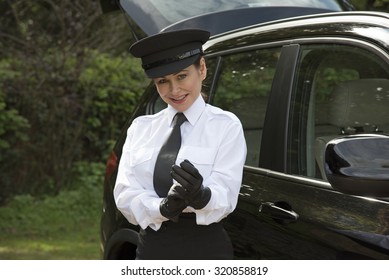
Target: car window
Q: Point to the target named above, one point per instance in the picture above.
(243, 88)
(188, 9)
(339, 90)
(152, 16)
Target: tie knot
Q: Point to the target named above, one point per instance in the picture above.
(179, 119)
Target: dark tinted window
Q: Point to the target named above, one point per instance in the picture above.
(243, 88)
(340, 90)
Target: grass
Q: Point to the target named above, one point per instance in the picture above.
(62, 227)
(69, 247)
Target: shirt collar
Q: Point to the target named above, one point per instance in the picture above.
(192, 114)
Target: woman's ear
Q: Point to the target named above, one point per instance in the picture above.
(203, 69)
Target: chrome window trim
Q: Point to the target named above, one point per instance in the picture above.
(309, 40)
(374, 19)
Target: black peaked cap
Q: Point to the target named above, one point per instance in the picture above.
(169, 52)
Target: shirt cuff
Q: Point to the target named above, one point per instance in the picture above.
(155, 216)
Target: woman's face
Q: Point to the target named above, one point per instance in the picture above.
(181, 89)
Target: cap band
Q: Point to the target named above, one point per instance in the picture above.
(172, 59)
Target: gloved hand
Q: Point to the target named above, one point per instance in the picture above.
(191, 181)
(173, 204)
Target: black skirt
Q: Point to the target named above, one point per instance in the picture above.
(185, 240)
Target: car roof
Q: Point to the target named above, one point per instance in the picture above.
(149, 17)
(371, 26)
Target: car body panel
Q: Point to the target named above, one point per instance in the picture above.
(317, 232)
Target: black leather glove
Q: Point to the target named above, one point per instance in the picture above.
(191, 180)
(173, 204)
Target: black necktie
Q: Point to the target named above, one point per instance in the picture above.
(167, 157)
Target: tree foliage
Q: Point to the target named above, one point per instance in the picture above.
(371, 5)
(66, 87)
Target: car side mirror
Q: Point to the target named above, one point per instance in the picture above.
(359, 164)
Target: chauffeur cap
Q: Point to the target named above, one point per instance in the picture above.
(169, 52)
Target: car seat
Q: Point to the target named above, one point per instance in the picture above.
(357, 106)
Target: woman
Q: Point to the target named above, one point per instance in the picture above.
(179, 200)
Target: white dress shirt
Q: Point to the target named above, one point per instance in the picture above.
(212, 140)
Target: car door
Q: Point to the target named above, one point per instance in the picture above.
(287, 209)
(341, 88)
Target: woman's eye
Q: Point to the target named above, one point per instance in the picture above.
(182, 76)
(161, 81)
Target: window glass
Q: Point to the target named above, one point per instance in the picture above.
(167, 12)
(243, 88)
(339, 90)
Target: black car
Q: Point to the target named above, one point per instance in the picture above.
(311, 88)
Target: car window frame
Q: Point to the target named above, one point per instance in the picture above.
(352, 42)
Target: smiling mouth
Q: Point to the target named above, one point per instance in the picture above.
(180, 99)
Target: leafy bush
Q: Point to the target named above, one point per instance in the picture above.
(111, 86)
(65, 91)
(68, 112)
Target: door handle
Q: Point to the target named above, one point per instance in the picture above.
(280, 211)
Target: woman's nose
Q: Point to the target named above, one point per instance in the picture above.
(175, 89)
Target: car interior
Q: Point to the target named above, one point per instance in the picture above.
(358, 106)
